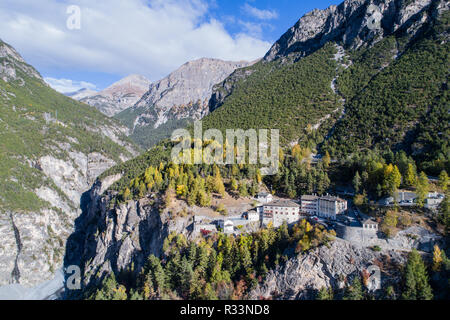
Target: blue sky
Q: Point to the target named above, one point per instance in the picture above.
(288, 13)
(149, 37)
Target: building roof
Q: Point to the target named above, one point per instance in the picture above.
(263, 194)
(307, 197)
(331, 198)
(282, 203)
(405, 196)
(370, 221)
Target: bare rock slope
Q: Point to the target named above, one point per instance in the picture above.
(120, 237)
(326, 267)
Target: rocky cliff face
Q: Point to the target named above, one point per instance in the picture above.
(10, 61)
(119, 96)
(53, 148)
(184, 93)
(352, 24)
(303, 276)
(119, 238)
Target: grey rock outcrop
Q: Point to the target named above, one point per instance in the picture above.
(119, 238)
(303, 276)
(43, 234)
(11, 61)
(350, 24)
(119, 96)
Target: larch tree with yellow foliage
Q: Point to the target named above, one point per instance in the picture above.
(437, 259)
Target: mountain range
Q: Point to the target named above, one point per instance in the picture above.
(52, 148)
(172, 101)
(152, 110)
(332, 83)
(117, 97)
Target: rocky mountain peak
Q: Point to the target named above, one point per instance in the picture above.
(190, 85)
(119, 96)
(353, 23)
(132, 84)
(11, 62)
(7, 51)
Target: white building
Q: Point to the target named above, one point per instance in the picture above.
(253, 215)
(330, 207)
(370, 225)
(325, 207)
(370, 229)
(280, 211)
(310, 205)
(206, 228)
(264, 197)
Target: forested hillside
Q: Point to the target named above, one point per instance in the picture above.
(288, 96)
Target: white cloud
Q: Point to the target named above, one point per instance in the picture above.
(260, 14)
(67, 85)
(253, 29)
(149, 37)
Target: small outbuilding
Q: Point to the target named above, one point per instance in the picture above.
(265, 197)
(253, 215)
(227, 226)
(370, 225)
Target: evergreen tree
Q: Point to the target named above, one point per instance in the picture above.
(416, 286)
(204, 200)
(253, 189)
(357, 182)
(218, 184)
(142, 189)
(390, 293)
(126, 194)
(243, 191)
(326, 160)
(422, 188)
(443, 180)
(437, 259)
(355, 290)
(411, 176)
(396, 180)
(444, 217)
(325, 294)
(234, 184)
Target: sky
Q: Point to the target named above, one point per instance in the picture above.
(89, 44)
